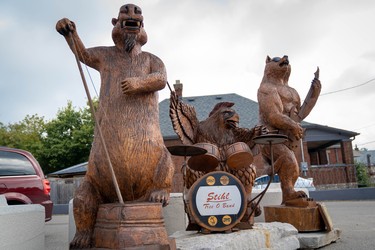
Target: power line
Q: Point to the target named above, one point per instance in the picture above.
(356, 86)
(361, 144)
(367, 126)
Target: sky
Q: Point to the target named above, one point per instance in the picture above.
(211, 46)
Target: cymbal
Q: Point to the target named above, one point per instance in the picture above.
(186, 150)
(270, 139)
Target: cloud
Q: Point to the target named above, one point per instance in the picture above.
(213, 47)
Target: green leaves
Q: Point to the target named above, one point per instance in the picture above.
(25, 134)
(363, 177)
(59, 143)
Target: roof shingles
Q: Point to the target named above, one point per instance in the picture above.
(247, 109)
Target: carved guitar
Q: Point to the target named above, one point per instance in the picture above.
(308, 104)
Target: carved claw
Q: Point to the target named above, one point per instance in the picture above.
(81, 240)
(316, 74)
(264, 130)
(316, 84)
(129, 85)
(298, 131)
(160, 196)
(294, 195)
(65, 26)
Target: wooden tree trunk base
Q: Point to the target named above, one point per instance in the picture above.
(304, 219)
(133, 225)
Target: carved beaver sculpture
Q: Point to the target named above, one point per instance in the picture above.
(129, 119)
(280, 110)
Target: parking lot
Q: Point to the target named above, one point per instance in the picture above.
(56, 236)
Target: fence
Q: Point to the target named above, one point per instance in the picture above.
(333, 176)
(62, 189)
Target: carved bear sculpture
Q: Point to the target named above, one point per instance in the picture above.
(129, 120)
(281, 111)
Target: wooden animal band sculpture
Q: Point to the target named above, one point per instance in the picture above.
(219, 131)
(280, 110)
(129, 119)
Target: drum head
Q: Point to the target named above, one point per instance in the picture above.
(240, 160)
(204, 163)
(217, 201)
(186, 150)
(239, 156)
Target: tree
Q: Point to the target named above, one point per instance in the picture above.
(67, 140)
(56, 144)
(25, 134)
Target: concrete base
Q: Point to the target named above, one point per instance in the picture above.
(274, 235)
(175, 218)
(3, 201)
(72, 224)
(21, 226)
(318, 239)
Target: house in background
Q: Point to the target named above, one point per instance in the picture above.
(326, 152)
(367, 157)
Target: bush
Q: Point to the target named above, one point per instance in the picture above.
(363, 177)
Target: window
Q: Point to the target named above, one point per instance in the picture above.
(12, 164)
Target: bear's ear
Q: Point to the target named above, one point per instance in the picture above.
(268, 59)
(114, 21)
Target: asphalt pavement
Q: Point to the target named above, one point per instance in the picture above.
(56, 235)
(356, 219)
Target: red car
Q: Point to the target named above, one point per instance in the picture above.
(22, 180)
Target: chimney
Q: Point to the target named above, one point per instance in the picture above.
(368, 160)
(178, 89)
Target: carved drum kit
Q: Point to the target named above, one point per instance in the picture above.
(205, 157)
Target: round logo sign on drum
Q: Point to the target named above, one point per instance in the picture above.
(217, 201)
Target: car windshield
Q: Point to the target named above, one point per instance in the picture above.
(15, 164)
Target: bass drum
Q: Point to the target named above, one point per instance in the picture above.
(238, 156)
(205, 162)
(217, 202)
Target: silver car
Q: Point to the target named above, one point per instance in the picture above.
(262, 181)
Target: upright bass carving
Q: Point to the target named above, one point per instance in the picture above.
(129, 120)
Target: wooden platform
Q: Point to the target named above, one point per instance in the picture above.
(304, 219)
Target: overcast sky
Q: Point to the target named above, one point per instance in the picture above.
(212, 46)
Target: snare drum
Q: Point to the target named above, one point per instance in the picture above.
(205, 162)
(239, 156)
